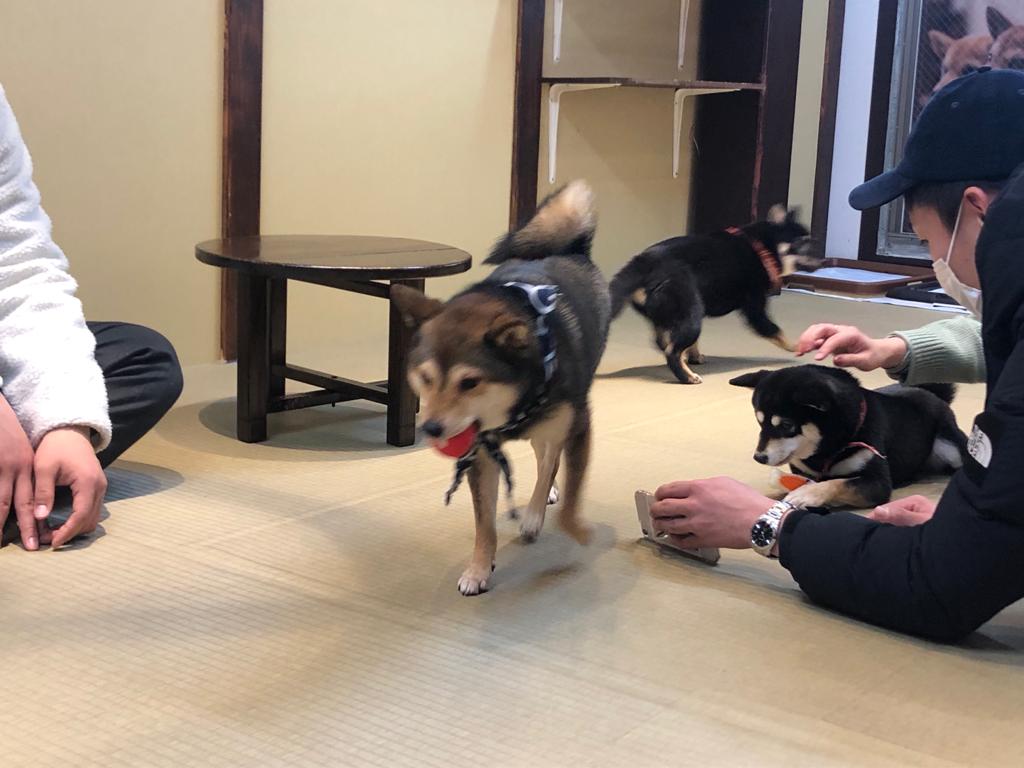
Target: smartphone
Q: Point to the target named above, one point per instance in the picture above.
(709, 555)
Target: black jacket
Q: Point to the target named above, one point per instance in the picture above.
(944, 579)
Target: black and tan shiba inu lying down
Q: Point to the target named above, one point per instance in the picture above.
(513, 358)
(856, 443)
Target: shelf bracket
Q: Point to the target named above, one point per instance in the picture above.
(677, 118)
(684, 17)
(554, 103)
(556, 38)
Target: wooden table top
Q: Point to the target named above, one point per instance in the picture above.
(344, 256)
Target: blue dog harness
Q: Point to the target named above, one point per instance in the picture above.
(542, 300)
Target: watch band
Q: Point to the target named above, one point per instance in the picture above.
(765, 531)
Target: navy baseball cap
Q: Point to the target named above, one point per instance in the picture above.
(971, 130)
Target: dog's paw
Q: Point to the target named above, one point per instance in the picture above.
(530, 525)
(473, 580)
(693, 378)
(553, 495)
(810, 495)
(695, 358)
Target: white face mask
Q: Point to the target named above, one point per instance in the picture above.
(965, 295)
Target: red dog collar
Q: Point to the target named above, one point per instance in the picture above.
(856, 444)
(769, 260)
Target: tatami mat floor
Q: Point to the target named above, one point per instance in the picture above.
(294, 603)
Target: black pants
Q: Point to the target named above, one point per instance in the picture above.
(143, 380)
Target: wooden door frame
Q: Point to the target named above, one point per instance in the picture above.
(827, 120)
(242, 145)
(878, 122)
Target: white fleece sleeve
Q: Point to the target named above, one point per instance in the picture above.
(47, 354)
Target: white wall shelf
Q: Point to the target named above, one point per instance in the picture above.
(682, 90)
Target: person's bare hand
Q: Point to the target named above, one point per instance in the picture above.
(718, 512)
(850, 347)
(16, 475)
(66, 457)
(913, 510)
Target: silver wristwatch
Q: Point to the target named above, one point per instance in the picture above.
(765, 531)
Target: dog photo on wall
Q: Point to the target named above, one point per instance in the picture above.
(960, 36)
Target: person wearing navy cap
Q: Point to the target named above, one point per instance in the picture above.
(940, 571)
(951, 172)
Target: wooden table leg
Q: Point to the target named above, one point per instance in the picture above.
(253, 357)
(278, 334)
(402, 401)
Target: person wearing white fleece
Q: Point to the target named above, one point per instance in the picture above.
(73, 395)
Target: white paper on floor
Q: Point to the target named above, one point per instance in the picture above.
(851, 275)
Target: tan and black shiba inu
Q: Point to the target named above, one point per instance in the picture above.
(513, 357)
(858, 444)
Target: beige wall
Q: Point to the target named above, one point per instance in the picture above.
(379, 117)
(119, 102)
(808, 106)
(385, 118)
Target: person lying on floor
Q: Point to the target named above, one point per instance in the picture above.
(73, 395)
(943, 572)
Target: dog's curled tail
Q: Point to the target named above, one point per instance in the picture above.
(563, 225)
(627, 280)
(945, 392)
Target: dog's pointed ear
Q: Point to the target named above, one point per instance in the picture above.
(749, 380)
(414, 306)
(997, 22)
(777, 214)
(793, 215)
(509, 333)
(940, 42)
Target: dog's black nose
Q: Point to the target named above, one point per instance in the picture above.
(432, 428)
(761, 458)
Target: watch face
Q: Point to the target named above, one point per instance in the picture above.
(762, 534)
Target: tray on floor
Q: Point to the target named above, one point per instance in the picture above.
(858, 278)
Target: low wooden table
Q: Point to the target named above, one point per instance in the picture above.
(367, 265)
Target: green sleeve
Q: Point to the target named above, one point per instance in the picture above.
(946, 351)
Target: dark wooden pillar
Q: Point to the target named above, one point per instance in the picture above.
(878, 119)
(778, 104)
(526, 118)
(243, 116)
(827, 122)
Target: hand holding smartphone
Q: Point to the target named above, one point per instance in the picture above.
(708, 555)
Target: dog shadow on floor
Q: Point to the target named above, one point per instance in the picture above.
(538, 589)
(713, 365)
(357, 431)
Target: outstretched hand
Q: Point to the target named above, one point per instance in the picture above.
(850, 347)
